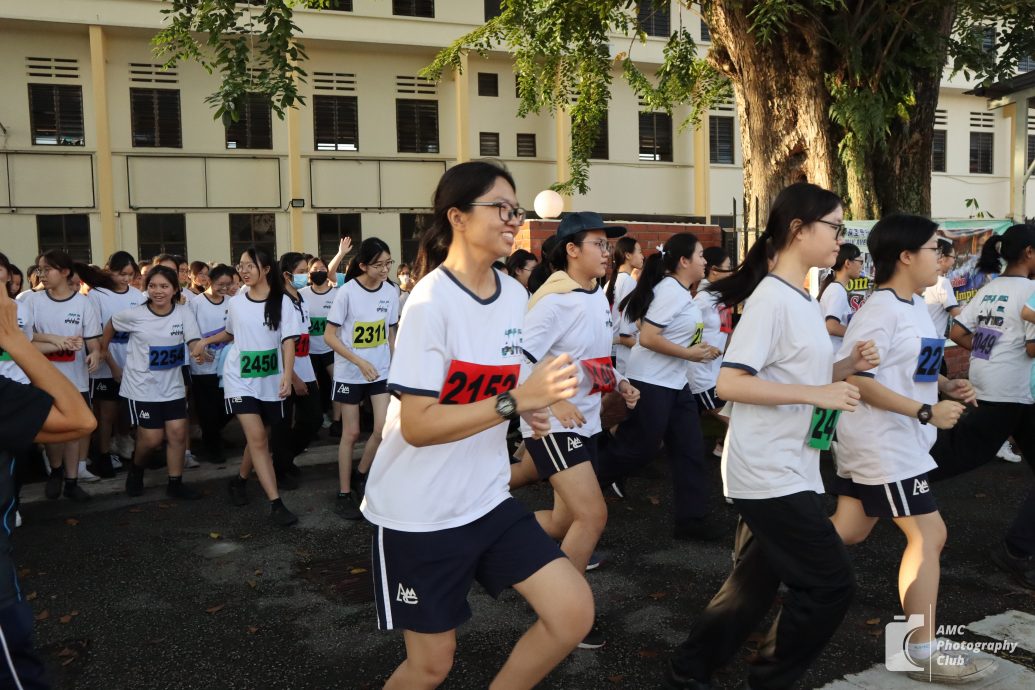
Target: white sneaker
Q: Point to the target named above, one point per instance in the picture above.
(326, 422)
(46, 460)
(116, 464)
(189, 462)
(1006, 453)
(123, 445)
(86, 475)
(953, 668)
(17, 519)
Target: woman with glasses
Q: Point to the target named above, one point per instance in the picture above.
(520, 265)
(319, 296)
(361, 330)
(210, 310)
(627, 258)
(940, 297)
(718, 325)
(834, 298)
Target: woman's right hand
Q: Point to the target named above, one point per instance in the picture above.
(567, 414)
(551, 380)
(702, 352)
(946, 413)
(840, 395)
(71, 343)
(368, 370)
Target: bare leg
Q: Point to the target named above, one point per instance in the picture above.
(578, 491)
(349, 434)
(379, 403)
(920, 570)
(147, 441)
(524, 472)
(107, 420)
(56, 457)
(429, 657)
(850, 521)
(259, 456)
(176, 433)
(73, 454)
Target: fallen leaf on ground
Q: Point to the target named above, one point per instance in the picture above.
(252, 629)
(43, 615)
(873, 621)
(245, 536)
(73, 613)
(980, 495)
(65, 619)
(648, 653)
(31, 596)
(876, 632)
(253, 584)
(72, 522)
(67, 661)
(658, 596)
(215, 609)
(136, 509)
(214, 535)
(357, 571)
(24, 572)
(67, 652)
(258, 572)
(163, 506)
(616, 679)
(654, 500)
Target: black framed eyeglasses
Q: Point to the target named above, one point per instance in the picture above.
(508, 212)
(839, 229)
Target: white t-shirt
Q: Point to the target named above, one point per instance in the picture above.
(303, 365)
(254, 364)
(998, 359)
(577, 323)
(75, 315)
(624, 284)
(835, 305)
(363, 318)
(674, 312)
(702, 375)
(458, 349)
(781, 337)
(7, 366)
(940, 298)
(211, 318)
(319, 307)
(154, 354)
(876, 446)
(109, 303)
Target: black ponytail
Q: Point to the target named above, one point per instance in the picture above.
(623, 248)
(275, 281)
(655, 267)
(847, 252)
(1007, 247)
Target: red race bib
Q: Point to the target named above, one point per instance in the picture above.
(602, 373)
(302, 346)
(467, 382)
(62, 356)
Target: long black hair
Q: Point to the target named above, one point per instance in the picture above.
(119, 260)
(369, 250)
(544, 268)
(1008, 247)
(558, 257)
(6, 263)
(167, 273)
(288, 261)
(275, 281)
(623, 248)
(94, 277)
(893, 235)
(655, 267)
(847, 252)
(517, 261)
(457, 188)
(801, 201)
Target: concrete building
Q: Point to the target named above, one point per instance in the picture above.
(101, 150)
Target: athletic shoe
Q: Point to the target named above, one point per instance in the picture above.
(593, 640)
(953, 668)
(701, 529)
(238, 490)
(135, 481)
(346, 508)
(717, 450)
(86, 475)
(293, 469)
(281, 516)
(46, 461)
(123, 446)
(326, 422)
(190, 462)
(181, 490)
(1006, 453)
(102, 466)
(76, 493)
(335, 430)
(594, 561)
(359, 485)
(17, 519)
(675, 679)
(116, 462)
(616, 488)
(1021, 567)
(54, 483)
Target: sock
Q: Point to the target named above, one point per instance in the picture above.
(343, 494)
(240, 480)
(276, 503)
(175, 480)
(70, 482)
(921, 651)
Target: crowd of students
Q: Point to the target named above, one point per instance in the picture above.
(598, 354)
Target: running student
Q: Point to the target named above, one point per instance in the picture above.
(777, 374)
(158, 330)
(718, 325)
(319, 295)
(361, 330)
(884, 447)
(834, 299)
(438, 487)
(628, 257)
(210, 311)
(940, 297)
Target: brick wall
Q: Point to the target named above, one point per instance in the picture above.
(649, 235)
(957, 360)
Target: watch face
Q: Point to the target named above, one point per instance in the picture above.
(505, 406)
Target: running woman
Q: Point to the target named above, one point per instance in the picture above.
(257, 374)
(158, 331)
(319, 296)
(361, 330)
(884, 447)
(628, 257)
(833, 293)
(671, 334)
(199, 277)
(210, 310)
(62, 316)
(718, 325)
(438, 489)
(110, 294)
(940, 297)
(777, 374)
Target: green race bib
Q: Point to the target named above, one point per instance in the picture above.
(257, 365)
(821, 430)
(5, 356)
(317, 325)
(366, 334)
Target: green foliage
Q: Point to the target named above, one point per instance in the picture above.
(1013, 25)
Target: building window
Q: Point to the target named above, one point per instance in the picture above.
(653, 17)
(56, 115)
(981, 144)
(330, 228)
(526, 145)
(414, 8)
(69, 233)
(938, 150)
(247, 229)
(488, 143)
(987, 39)
(416, 125)
(338, 5)
(720, 139)
(492, 9)
(706, 33)
(1026, 64)
(155, 117)
(655, 137)
(600, 149)
(254, 126)
(161, 233)
(336, 123)
(1031, 149)
(411, 225)
(488, 84)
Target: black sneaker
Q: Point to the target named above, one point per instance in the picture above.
(359, 486)
(135, 481)
(675, 679)
(701, 529)
(54, 483)
(1021, 567)
(286, 482)
(593, 640)
(281, 516)
(238, 490)
(293, 469)
(76, 493)
(595, 559)
(345, 507)
(181, 490)
(335, 430)
(102, 467)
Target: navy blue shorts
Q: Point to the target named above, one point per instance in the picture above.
(903, 498)
(104, 389)
(154, 415)
(558, 451)
(708, 400)
(354, 393)
(20, 666)
(421, 579)
(271, 411)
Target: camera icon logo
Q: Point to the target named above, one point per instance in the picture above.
(896, 635)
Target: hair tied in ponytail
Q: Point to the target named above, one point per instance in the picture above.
(661, 250)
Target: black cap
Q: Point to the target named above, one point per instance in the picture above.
(581, 221)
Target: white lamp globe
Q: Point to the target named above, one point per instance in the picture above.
(548, 204)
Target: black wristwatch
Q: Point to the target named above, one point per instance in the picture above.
(506, 406)
(924, 415)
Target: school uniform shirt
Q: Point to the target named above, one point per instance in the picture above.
(876, 446)
(319, 306)
(303, 365)
(363, 318)
(702, 376)
(997, 357)
(940, 298)
(72, 316)
(835, 305)
(674, 312)
(154, 353)
(254, 365)
(108, 303)
(8, 368)
(211, 318)
(781, 337)
(458, 349)
(577, 323)
(624, 284)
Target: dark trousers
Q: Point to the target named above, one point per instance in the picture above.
(303, 417)
(19, 665)
(790, 540)
(976, 439)
(323, 379)
(211, 409)
(669, 415)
